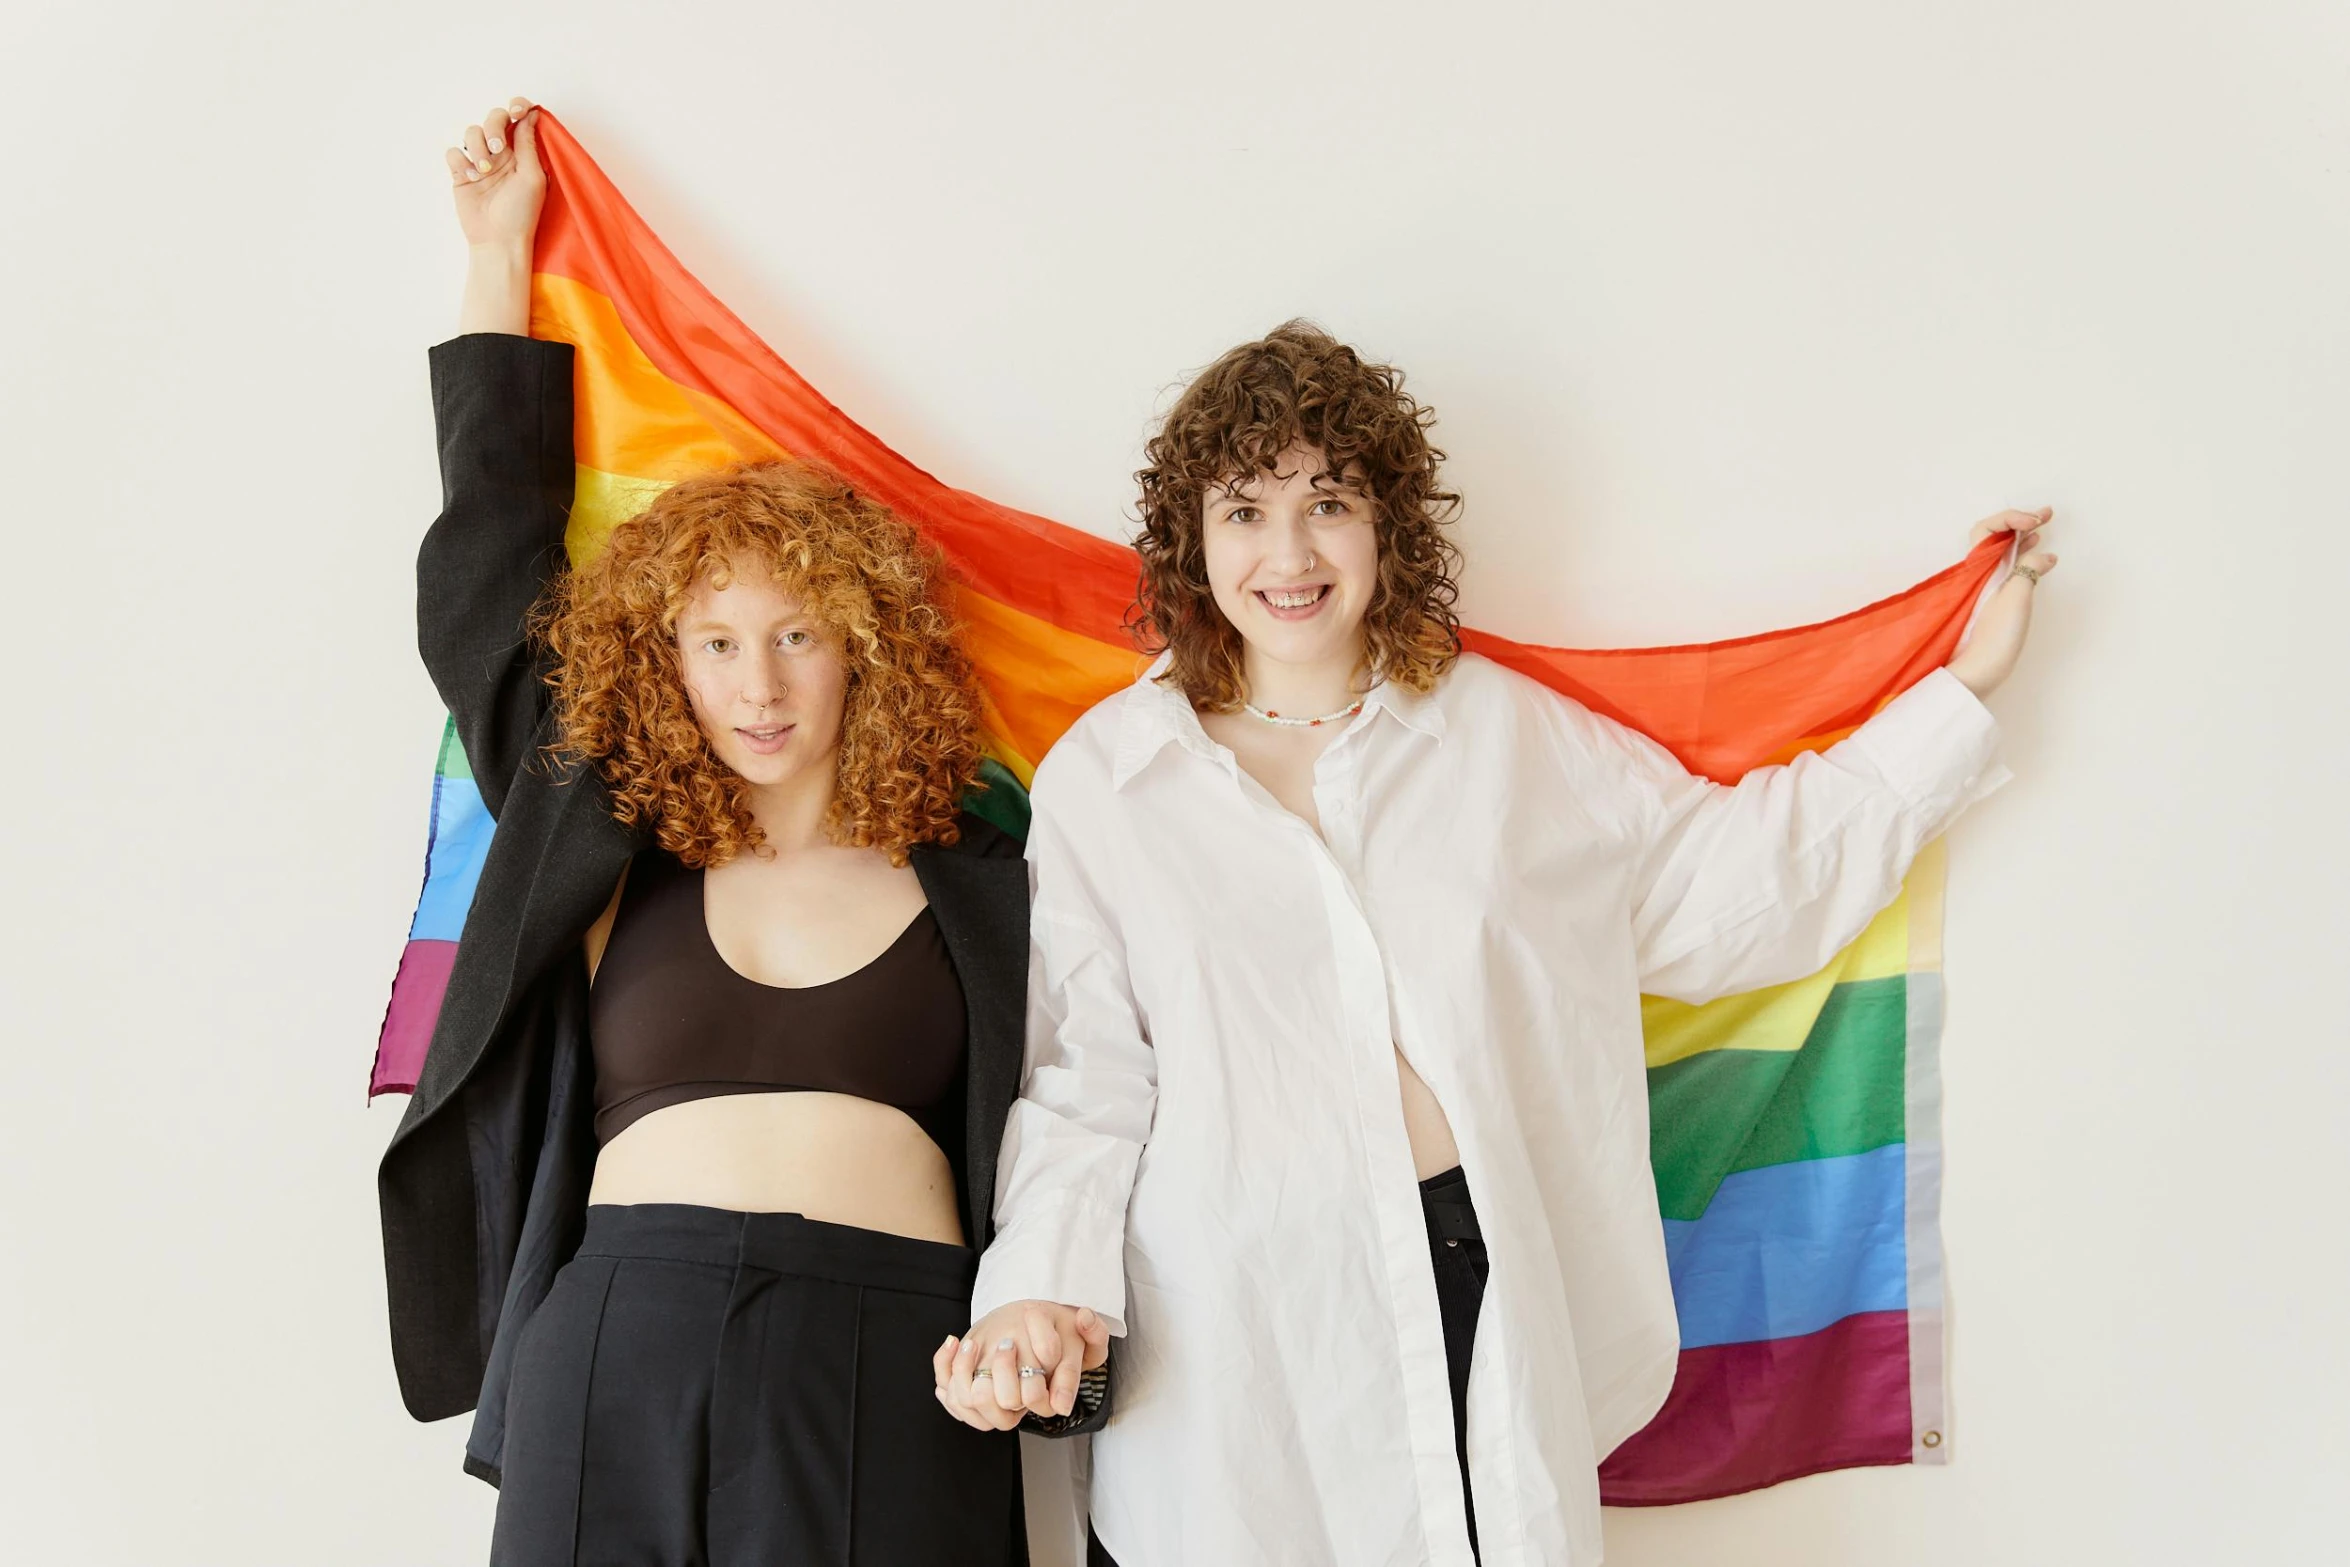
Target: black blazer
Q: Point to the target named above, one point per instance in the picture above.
(484, 1187)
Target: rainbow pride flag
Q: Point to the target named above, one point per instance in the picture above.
(1795, 1135)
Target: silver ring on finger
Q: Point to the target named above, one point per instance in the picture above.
(1029, 1371)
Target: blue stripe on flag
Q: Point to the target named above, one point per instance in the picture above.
(1790, 1248)
(461, 828)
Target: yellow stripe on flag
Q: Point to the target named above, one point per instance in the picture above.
(600, 502)
(1778, 1017)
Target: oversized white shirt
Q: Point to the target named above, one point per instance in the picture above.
(1209, 1148)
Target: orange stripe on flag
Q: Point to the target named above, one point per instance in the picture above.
(1038, 678)
(632, 420)
(588, 233)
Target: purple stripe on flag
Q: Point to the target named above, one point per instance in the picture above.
(408, 1022)
(1742, 1416)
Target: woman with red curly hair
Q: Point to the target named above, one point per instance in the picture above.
(1336, 925)
(695, 1169)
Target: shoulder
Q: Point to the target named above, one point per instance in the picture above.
(1084, 760)
(983, 839)
(1589, 748)
(1476, 690)
(1476, 681)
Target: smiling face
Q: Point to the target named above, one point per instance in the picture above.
(767, 682)
(1292, 558)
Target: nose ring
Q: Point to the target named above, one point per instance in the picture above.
(1309, 560)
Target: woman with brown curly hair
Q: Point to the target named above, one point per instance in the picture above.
(1336, 924)
(695, 1169)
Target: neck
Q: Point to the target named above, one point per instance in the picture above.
(1303, 690)
(792, 814)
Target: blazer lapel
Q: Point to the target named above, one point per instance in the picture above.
(981, 905)
(573, 852)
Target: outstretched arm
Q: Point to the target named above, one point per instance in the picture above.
(1763, 882)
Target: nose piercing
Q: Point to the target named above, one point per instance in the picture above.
(1309, 560)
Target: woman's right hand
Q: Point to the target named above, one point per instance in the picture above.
(499, 187)
(1053, 1343)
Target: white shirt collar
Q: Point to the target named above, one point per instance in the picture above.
(1417, 710)
(1158, 715)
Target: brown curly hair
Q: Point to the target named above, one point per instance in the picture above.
(910, 743)
(1297, 386)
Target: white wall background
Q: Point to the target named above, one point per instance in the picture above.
(1737, 316)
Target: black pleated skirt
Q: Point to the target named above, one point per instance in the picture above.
(706, 1388)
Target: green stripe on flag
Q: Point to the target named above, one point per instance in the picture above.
(452, 763)
(1727, 1110)
(996, 796)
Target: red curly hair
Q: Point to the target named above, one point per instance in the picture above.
(1297, 386)
(910, 743)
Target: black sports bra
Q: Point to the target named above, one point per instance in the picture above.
(670, 1021)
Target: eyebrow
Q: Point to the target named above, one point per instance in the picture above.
(1321, 483)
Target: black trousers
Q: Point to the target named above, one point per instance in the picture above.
(706, 1388)
(1456, 1247)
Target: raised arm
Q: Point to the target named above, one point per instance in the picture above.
(502, 408)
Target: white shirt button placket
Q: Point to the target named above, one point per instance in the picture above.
(1426, 1379)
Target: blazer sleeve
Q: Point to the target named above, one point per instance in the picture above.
(502, 409)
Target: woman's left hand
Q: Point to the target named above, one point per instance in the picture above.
(1998, 637)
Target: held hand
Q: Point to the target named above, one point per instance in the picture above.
(496, 178)
(1992, 648)
(981, 1379)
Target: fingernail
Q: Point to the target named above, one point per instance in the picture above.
(1005, 1344)
(473, 174)
(497, 145)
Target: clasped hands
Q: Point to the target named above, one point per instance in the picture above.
(980, 1375)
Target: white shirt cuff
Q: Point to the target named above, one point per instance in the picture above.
(1936, 743)
(1070, 1253)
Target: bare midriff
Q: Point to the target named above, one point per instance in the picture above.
(1433, 1149)
(832, 1157)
